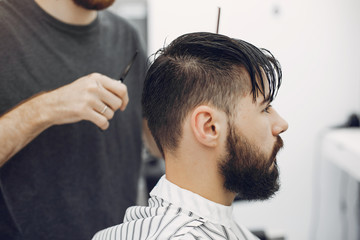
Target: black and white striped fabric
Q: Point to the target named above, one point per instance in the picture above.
(178, 214)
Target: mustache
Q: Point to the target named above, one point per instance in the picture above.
(279, 144)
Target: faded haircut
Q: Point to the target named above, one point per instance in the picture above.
(203, 68)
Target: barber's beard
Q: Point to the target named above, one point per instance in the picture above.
(94, 4)
(247, 171)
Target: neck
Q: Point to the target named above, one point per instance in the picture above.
(198, 174)
(67, 11)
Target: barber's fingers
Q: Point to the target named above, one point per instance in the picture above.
(99, 119)
(106, 111)
(86, 99)
(111, 100)
(113, 93)
(98, 113)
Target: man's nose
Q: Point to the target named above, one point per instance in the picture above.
(280, 125)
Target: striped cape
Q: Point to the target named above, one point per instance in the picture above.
(178, 214)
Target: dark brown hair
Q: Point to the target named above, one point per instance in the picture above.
(94, 4)
(203, 68)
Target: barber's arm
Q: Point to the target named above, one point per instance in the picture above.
(94, 97)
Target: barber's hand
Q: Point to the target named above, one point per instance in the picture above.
(94, 97)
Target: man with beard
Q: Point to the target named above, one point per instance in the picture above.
(62, 177)
(207, 101)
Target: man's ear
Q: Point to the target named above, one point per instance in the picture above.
(206, 125)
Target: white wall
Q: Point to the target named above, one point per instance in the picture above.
(317, 43)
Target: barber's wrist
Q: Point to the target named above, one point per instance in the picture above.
(40, 111)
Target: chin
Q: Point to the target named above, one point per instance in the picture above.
(94, 4)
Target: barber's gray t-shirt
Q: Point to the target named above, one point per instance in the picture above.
(73, 179)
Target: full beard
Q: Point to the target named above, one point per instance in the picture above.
(94, 4)
(247, 171)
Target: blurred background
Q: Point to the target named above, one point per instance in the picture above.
(318, 46)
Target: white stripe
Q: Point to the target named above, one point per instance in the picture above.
(163, 219)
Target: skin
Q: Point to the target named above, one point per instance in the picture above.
(67, 11)
(194, 164)
(83, 99)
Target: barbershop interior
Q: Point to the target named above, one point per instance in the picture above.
(317, 43)
(318, 46)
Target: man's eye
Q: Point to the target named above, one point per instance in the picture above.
(267, 108)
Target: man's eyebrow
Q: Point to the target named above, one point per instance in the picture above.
(265, 102)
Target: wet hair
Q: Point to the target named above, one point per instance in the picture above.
(203, 68)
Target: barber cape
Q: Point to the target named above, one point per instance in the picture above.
(176, 213)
